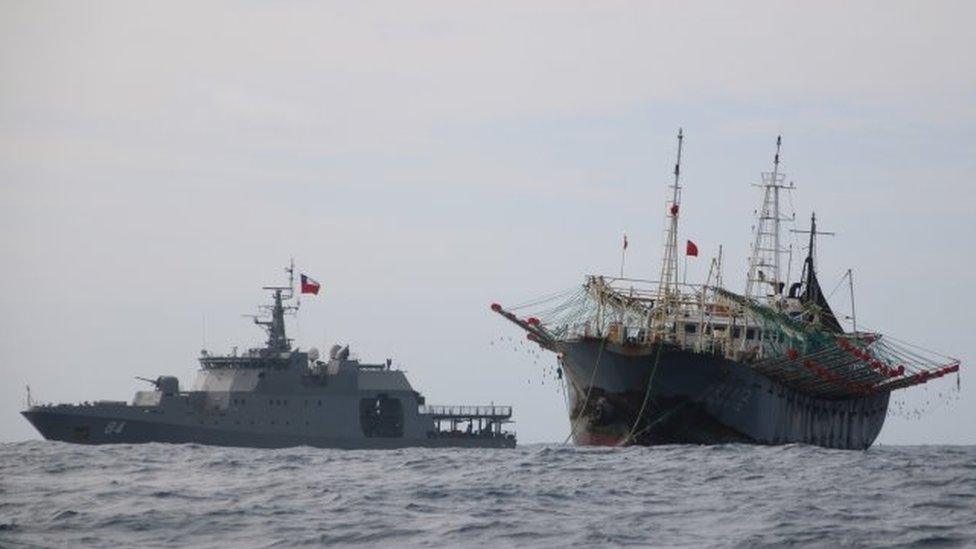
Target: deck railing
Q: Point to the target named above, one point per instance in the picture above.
(448, 412)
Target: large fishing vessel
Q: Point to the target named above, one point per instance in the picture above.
(656, 362)
(279, 396)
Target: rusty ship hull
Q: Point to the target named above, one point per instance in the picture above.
(700, 398)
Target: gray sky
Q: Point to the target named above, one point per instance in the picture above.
(160, 162)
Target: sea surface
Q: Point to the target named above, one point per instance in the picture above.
(61, 495)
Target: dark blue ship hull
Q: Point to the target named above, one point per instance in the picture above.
(697, 398)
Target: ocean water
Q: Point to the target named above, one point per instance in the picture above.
(62, 495)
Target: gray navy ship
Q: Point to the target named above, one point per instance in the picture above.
(279, 396)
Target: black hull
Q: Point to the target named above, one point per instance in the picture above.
(701, 399)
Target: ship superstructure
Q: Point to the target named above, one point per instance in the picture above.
(279, 396)
(652, 362)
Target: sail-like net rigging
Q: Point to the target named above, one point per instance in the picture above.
(795, 348)
(821, 361)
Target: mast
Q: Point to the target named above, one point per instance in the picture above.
(669, 264)
(718, 270)
(764, 262)
(275, 326)
(808, 274)
(850, 281)
(813, 236)
(812, 294)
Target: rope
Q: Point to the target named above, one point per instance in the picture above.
(586, 399)
(907, 344)
(647, 394)
(837, 287)
(662, 418)
(544, 299)
(707, 394)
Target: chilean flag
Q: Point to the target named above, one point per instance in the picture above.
(309, 286)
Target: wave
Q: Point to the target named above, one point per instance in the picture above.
(538, 495)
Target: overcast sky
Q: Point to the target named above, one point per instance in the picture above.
(160, 162)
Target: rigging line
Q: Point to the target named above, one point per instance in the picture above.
(837, 287)
(795, 245)
(560, 307)
(660, 419)
(544, 298)
(586, 400)
(902, 354)
(567, 306)
(670, 412)
(903, 342)
(901, 349)
(647, 393)
(562, 387)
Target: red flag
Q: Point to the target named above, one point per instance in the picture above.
(309, 286)
(625, 242)
(691, 249)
